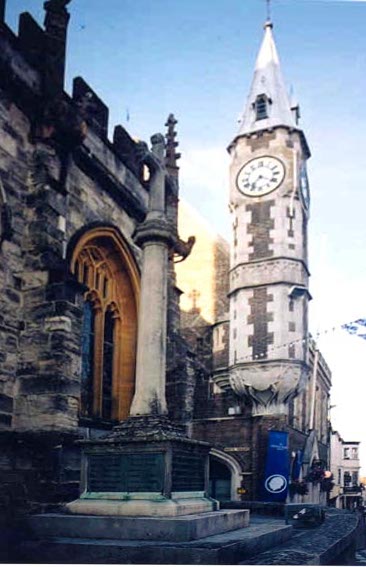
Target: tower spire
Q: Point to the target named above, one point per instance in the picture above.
(268, 104)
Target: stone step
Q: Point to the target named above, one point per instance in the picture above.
(179, 528)
(226, 548)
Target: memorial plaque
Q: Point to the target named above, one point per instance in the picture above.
(188, 471)
(145, 472)
(131, 472)
(105, 473)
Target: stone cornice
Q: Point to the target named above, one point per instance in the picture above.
(271, 259)
(154, 230)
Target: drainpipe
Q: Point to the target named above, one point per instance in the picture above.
(295, 180)
(313, 390)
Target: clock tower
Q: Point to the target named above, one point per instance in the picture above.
(269, 203)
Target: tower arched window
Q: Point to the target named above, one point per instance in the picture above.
(261, 107)
(103, 263)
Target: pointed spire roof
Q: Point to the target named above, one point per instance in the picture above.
(267, 81)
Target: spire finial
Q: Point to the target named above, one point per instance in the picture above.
(172, 155)
(268, 20)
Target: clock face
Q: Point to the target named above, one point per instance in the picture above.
(260, 176)
(304, 186)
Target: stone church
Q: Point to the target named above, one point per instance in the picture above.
(237, 358)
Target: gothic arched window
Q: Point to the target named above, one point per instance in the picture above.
(87, 358)
(103, 263)
(107, 373)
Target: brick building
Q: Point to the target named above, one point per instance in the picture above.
(71, 201)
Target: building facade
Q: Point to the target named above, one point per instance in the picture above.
(347, 492)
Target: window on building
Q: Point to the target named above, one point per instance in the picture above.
(261, 107)
(291, 351)
(347, 478)
(346, 453)
(108, 344)
(354, 478)
(108, 348)
(354, 453)
(87, 358)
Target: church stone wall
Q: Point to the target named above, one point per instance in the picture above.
(61, 177)
(14, 129)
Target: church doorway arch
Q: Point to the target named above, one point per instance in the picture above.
(225, 476)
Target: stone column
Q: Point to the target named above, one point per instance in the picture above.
(155, 237)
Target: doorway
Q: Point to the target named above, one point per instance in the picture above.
(220, 480)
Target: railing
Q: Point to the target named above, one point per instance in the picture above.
(356, 489)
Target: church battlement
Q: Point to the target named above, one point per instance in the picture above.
(32, 66)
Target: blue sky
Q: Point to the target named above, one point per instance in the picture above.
(147, 58)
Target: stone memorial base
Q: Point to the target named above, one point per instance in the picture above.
(145, 467)
(182, 528)
(134, 505)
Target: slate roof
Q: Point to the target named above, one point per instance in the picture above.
(267, 80)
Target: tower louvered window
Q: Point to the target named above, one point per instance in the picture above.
(261, 107)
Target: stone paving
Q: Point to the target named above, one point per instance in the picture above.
(361, 557)
(315, 546)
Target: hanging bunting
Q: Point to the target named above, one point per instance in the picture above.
(356, 328)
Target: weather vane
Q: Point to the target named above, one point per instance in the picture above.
(268, 2)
